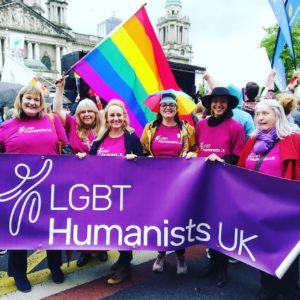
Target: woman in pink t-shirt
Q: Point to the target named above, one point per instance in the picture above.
(84, 127)
(31, 131)
(274, 149)
(117, 138)
(82, 130)
(167, 136)
(220, 138)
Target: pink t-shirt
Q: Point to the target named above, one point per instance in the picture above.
(166, 141)
(32, 136)
(271, 164)
(76, 143)
(112, 146)
(225, 139)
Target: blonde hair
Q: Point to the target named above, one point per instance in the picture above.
(288, 102)
(82, 131)
(29, 89)
(106, 127)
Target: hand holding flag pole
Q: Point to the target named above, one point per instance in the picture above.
(63, 77)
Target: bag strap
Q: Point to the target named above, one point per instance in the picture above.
(59, 143)
(51, 117)
(261, 159)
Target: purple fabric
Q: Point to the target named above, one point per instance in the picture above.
(265, 141)
(62, 202)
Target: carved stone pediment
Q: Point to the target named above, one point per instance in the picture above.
(20, 18)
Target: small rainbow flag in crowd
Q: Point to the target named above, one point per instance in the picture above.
(77, 78)
(77, 82)
(34, 81)
(128, 65)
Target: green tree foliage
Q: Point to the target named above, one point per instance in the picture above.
(269, 43)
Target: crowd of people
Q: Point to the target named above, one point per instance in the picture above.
(253, 131)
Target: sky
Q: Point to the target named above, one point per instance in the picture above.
(225, 35)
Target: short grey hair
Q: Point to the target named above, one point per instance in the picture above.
(282, 125)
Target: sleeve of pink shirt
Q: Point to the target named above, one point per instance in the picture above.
(60, 131)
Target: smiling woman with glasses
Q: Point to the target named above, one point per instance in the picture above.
(167, 136)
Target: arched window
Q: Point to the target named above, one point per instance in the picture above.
(182, 52)
(46, 61)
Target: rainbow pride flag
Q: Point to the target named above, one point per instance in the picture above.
(34, 81)
(128, 65)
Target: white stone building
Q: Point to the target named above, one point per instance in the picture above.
(46, 38)
(173, 33)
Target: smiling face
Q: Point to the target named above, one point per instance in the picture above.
(87, 117)
(115, 117)
(31, 104)
(168, 110)
(218, 106)
(265, 118)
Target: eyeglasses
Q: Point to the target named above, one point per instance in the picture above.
(165, 105)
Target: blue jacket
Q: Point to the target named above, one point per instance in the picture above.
(238, 114)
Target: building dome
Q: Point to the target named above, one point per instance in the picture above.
(173, 2)
(35, 64)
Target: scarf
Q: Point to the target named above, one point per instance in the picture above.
(265, 141)
(213, 121)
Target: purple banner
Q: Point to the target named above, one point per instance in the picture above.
(62, 202)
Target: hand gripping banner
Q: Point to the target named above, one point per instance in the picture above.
(62, 202)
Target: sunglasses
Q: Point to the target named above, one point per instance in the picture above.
(171, 105)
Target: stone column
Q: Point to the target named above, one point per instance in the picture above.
(36, 51)
(184, 36)
(51, 13)
(187, 35)
(168, 34)
(63, 15)
(172, 33)
(1, 58)
(66, 17)
(55, 14)
(57, 59)
(6, 46)
(29, 50)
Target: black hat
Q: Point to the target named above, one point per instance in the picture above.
(220, 91)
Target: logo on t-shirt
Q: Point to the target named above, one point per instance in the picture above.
(32, 129)
(165, 140)
(106, 152)
(208, 148)
(255, 157)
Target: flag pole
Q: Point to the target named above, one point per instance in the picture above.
(276, 43)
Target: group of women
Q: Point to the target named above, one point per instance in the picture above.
(216, 138)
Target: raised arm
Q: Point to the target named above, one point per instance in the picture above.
(58, 100)
(269, 92)
(211, 81)
(270, 81)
